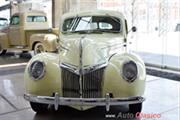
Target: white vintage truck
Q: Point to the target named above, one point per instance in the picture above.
(28, 31)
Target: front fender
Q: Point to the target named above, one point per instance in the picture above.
(55, 31)
(114, 82)
(50, 82)
(4, 43)
(49, 41)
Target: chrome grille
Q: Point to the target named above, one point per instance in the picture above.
(91, 84)
(70, 84)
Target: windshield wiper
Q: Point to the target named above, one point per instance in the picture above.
(111, 31)
(68, 32)
(89, 31)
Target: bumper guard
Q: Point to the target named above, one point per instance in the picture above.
(107, 101)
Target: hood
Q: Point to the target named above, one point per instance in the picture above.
(90, 50)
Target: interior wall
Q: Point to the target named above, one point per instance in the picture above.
(58, 10)
(64, 6)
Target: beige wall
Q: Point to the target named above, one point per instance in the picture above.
(63, 6)
(88, 4)
(57, 11)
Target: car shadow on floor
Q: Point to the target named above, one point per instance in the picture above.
(25, 55)
(97, 113)
(14, 57)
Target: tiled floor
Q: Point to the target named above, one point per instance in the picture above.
(162, 97)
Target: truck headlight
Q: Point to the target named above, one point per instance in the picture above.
(37, 70)
(129, 71)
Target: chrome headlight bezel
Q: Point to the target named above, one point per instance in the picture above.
(30, 70)
(129, 71)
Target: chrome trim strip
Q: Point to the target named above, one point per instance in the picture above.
(84, 69)
(118, 44)
(71, 68)
(81, 65)
(107, 101)
(81, 55)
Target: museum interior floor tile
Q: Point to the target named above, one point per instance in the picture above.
(162, 97)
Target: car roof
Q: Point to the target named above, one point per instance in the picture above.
(93, 13)
(33, 12)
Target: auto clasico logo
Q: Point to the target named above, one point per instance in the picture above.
(141, 115)
(138, 115)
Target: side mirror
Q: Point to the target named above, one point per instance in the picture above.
(134, 29)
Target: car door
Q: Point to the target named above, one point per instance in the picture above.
(14, 31)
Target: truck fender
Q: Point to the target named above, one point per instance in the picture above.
(48, 40)
(4, 40)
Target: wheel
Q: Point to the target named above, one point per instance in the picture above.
(39, 48)
(2, 52)
(38, 107)
(134, 108)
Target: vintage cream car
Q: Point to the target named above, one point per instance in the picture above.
(92, 68)
(28, 31)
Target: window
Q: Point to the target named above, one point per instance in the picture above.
(103, 25)
(83, 24)
(36, 19)
(3, 22)
(67, 24)
(93, 23)
(15, 20)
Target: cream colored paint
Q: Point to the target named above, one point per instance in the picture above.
(97, 49)
(51, 81)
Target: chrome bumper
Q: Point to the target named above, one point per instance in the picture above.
(56, 100)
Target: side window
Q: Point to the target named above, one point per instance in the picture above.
(15, 20)
(3, 22)
(103, 25)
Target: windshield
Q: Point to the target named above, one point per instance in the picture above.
(3, 22)
(92, 23)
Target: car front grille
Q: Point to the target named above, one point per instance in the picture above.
(89, 87)
(70, 84)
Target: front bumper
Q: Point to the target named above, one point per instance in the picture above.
(107, 101)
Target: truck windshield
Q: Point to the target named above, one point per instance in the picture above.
(92, 23)
(36, 19)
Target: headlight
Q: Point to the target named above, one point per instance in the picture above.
(129, 71)
(37, 70)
